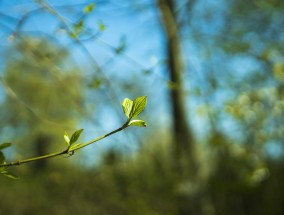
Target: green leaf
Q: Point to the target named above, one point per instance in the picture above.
(5, 145)
(127, 106)
(75, 136)
(89, 8)
(139, 105)
(138, 122)
(9, 174)
(67, 139)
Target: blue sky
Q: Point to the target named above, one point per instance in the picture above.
(144, 49)
(144, 39)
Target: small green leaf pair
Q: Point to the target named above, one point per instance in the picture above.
(3, 170)
(132, 109)
(70, 141)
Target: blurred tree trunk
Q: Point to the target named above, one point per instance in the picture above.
(184, 156)
(42, 143)
(183, 137)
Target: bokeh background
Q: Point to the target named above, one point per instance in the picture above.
(213, 72)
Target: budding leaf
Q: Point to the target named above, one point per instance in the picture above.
(138, 122)
(67, 139)
(127, 106)
(138, 106)
(5, 145)
(75, 136)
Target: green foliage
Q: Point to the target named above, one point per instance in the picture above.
(75, 136)
(70, 142)
(132, 109)
(79, 26)
(44, 96)
(66, 138)
(138, 106)
(145, 184)
(127, 106)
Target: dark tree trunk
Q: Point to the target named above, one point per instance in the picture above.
(185, 163)
(183, 137)
(41, 148)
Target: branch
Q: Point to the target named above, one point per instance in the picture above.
(65, 152)
(130, 108)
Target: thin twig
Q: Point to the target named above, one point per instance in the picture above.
(65, 152)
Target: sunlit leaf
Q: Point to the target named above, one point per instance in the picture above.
(139, 105)
(137, 122)
(127, 106)
(67, 139)
(5, 145)
(75, 136)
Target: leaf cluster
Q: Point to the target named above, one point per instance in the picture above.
(71, 141)
(132, 109)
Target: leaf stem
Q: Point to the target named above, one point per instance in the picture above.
(19, 162)
(99, 138)
(14, 163)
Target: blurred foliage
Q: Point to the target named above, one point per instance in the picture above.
(44, 96)
(144, 185)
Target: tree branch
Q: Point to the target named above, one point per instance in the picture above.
(65, 152)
